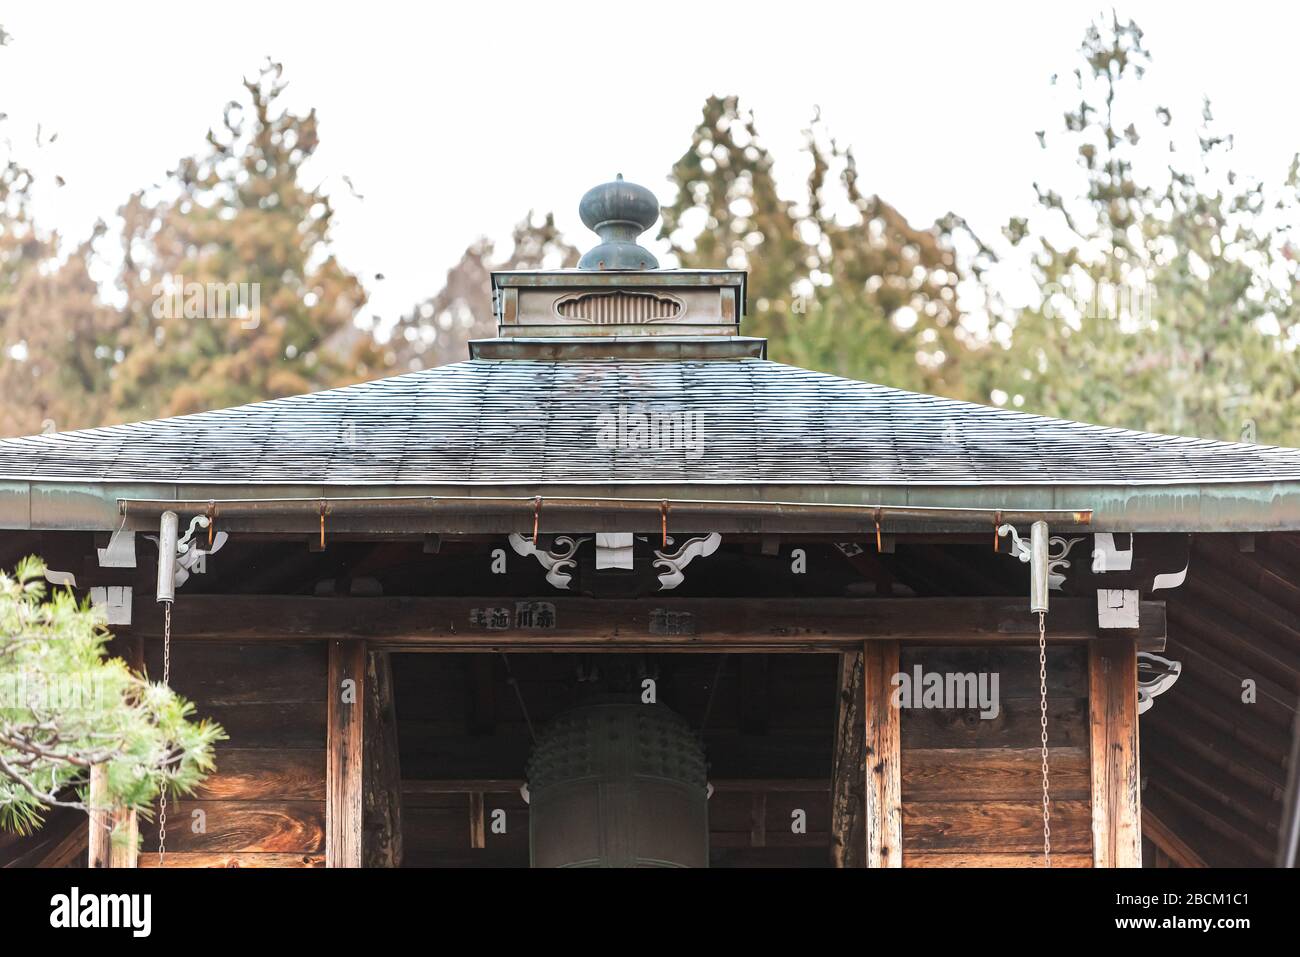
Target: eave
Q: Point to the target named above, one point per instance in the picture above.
(1188, 507)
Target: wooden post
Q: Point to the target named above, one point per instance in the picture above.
(849, 767)
(884, 787)
(1113, 732)
(758, 819)
(383, 773)
(103, 850)
(344, 754)
(104, 821)
(477, 821)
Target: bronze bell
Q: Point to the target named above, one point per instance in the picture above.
(618, 783)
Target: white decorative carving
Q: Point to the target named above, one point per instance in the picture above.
(1107, 558)
(1056, 579)
(674, 562)
(1020, 549)
(120, 551)
(60, 578)
(1169, 579)
(613, 550)
(559, 563)
(190, 559)
(1117, 608)
(1156, 675)
(115, 600)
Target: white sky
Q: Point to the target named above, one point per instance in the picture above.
(453, 119)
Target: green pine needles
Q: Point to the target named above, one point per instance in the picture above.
(66, 707)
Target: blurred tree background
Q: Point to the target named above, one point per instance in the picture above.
(1165, 298)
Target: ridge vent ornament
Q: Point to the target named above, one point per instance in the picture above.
(619, 307)
(618, 213)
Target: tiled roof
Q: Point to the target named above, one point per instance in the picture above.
(539, 421)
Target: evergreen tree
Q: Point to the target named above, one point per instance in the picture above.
(1167, 303)
(56, 337)
(438, 330)
(840, 281)
(65, 708)
(238, 214)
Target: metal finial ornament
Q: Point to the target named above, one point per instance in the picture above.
(618, 213)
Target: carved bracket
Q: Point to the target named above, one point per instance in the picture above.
(1058, 548)
(673, 563)
(559, 564)
(1156, 675)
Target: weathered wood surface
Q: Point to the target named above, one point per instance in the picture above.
(698, 624)
(1016, 726)
(995, 826)
(383, 774)
(111, 837)
(255, 859)
(972, 786)
(267, 794)
(919, 858)
(1116, 781)
(265, 774)
(989, 774)
(477, 821)
(884, 804)
(293, 827)
(344, 754)
(849, 767)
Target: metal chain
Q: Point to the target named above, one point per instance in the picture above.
(1042, 708)
(167, 677)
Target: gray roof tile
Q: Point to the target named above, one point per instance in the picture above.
(535, 421)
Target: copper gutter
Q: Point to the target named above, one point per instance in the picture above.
(560, 513)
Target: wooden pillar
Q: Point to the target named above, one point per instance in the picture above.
(344, 754)
(104, 821)
(884, 786)
(849, 767)
(477, 821)
(383, 774)
(1113, 733)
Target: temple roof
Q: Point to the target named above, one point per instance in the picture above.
(574, 421)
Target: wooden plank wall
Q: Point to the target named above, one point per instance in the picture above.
(265, 805)
(972, 786)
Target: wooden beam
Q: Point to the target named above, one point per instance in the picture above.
(849, 767)
(557, 623)
(383, 773)
(344, 754)
(62, 841)
(884, 803)
(1116, 779)
(417, 787)
(1167, 842)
